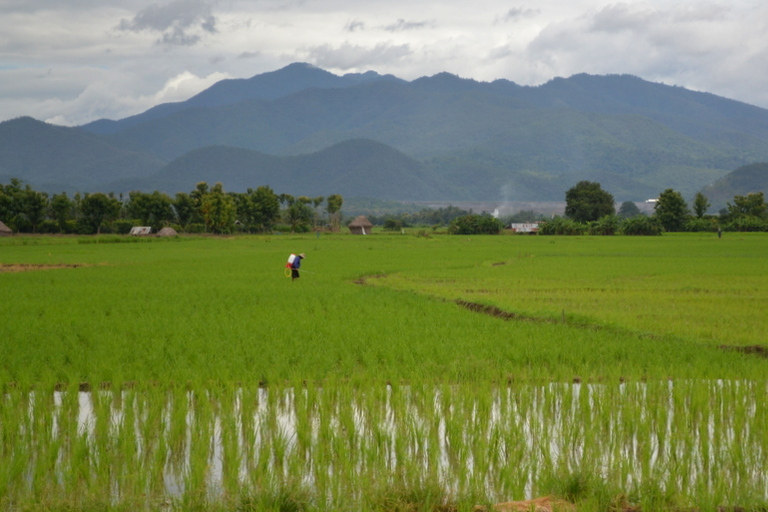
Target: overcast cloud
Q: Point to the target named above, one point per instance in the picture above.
(75, 61)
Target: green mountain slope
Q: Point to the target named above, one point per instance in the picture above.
(496, 135)
(56, 159)
(742, 181)
(359, 168)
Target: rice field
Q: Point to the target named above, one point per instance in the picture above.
(399, 372)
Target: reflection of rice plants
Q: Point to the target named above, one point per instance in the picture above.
(684, 442)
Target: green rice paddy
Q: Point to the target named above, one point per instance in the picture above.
(399, 372)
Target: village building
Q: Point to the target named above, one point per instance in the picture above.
(360, 226)
(524, 227)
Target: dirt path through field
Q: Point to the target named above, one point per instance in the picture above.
(28, 267)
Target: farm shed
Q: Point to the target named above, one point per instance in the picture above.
(5, 230)
(166, 231)
(360, 226)
(524, 227)
(141, 230)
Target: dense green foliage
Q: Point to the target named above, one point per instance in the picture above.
(671, 210)
(204, 209)
(423, 217)
(587, 201)
(475, 225)
(642, 226)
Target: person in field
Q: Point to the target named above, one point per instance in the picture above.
(294, 263)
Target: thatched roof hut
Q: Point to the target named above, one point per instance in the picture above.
(5, 230)
(360, 226)
(167, 232)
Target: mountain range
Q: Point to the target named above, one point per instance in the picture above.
(305, 131)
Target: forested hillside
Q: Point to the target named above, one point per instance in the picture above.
(356, 168)
(742, 181)
(439, 137)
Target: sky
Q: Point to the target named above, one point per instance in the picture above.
(70, 62)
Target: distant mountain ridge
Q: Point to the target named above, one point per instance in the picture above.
(267, 86)
(453, 138)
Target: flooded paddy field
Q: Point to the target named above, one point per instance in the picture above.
(696, 442)
(398, 373)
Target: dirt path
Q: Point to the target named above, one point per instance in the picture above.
(28, 267)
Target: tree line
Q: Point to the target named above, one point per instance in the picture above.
(205, 209)
(590, 209)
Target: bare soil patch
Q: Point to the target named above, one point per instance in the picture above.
(543, 504)
(364, 280)
(28, 267)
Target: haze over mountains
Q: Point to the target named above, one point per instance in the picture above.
(305, 131)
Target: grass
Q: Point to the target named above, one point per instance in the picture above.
(218, 384)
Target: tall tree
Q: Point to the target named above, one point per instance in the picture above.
(628, 209)
(11, 203)
(671, 210)
(700, 205)
(219, 210)
(61, 210)
(751, 205)
(265, 208)
(34, 206)
(333, 207)
(299, 214)
(316, 202)
(99, 208)
(184, 209)
(587, 201)
(150, 209)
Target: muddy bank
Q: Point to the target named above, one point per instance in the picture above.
(28, 267)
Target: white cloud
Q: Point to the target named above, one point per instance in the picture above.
(106, 96)
(75, 61)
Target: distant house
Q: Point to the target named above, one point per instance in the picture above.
(360, 226)
(141, 230)
(524, 227)
(5, 230)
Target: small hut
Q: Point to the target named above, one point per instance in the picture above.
(141, 230)
(166, 231)
(5, 230)
(360, 226)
